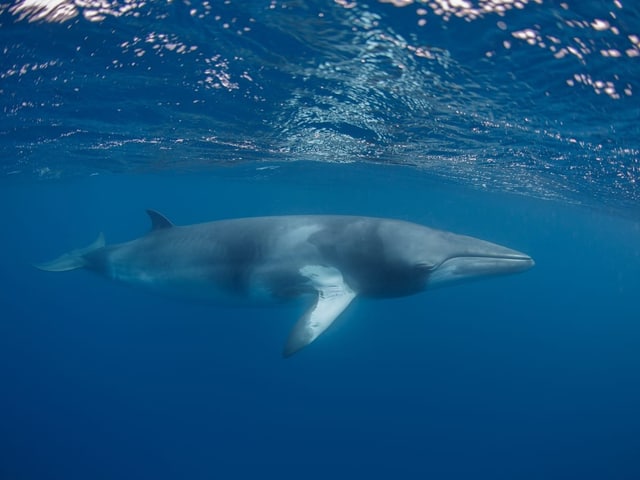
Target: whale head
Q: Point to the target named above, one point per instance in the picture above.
(445, 257)
(457, 258)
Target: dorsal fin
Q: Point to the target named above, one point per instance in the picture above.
(158, 221)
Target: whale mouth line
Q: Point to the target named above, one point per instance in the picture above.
(459, 268)
(496, 264)
(518, 257)
(515, 258)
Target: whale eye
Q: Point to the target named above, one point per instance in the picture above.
(425, 267)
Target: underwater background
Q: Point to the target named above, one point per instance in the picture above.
(514, 121)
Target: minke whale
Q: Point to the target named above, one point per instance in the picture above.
(332, 259)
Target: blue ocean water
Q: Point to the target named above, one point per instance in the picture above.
(513, 121)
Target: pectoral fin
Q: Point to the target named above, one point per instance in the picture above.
(334, 296)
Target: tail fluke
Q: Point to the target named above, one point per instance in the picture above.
(72, 260)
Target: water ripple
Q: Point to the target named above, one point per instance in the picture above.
(531, 97)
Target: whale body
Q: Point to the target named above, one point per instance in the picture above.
(331, 258)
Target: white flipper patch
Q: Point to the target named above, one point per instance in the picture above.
(334, 296)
